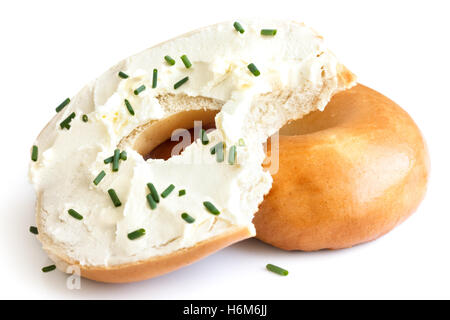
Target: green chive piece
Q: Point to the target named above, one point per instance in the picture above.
(123, 75)
(139, 90)
(220, 156)
(75, 214)
(62, 105)
(217, 146)
(187, 218)
(180, 83)
(181, 193)
(115, 199)
(268, 32)
(238, 27)
(277, 270)
(99, 177)
(232, 155)
(168, 190)
(115, 166)
(66, 122)
(212, 150)
(186, 61)
(211, 208)
(204, 137)
(136, 234)
(123, 155)
(153, 192)
(151, 201)
(34, 153)
(85, 118)
(128, 105)
(253, 69)
(155, 78)
(169, 60)
(108, 160)
(34, 230)
(49, 268)
(241, 142)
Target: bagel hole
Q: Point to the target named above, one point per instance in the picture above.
(168, 137)
(158, 141)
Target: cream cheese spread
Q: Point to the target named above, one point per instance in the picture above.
(294, 66)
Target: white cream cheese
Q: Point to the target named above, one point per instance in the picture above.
(292, 66)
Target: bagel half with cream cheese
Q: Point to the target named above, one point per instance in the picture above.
(119, 217)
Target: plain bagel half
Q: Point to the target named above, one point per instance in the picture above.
(346, 175)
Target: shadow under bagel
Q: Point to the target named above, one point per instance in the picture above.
(347, 175)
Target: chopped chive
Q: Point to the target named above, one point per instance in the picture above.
(187, 218)
(151, 201)
(268, 32)
(180, 83)
(116, 157)
(108, 160)
(115, 199)
(181, 193)
(232, 155)
(238, 27)
(123, 75)
(253, 69)
(204, 137)
(123, 155)
(211, 208)
(62, 105)
(241, 142)
(136, 234)
(66, 122)
(155, 78)
(34, 153)
(128, 105)
(139, 90)
(49, 268)
(75, 214)
(213, 149)
(220, 156)
(153, 192)
(99, 177)
(168, 190)
(277, 270)
(186, 61)
(85, 118)
(34, 230)
(169, 60)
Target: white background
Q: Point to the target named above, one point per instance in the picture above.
(50, 49)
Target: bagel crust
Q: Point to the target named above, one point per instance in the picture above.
(346, 175)
(156, 266)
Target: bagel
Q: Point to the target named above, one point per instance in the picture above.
(105, 218)
(346, 175)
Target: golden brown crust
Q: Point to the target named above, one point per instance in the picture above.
(163, 264)
(349, 175)
(149, 268)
